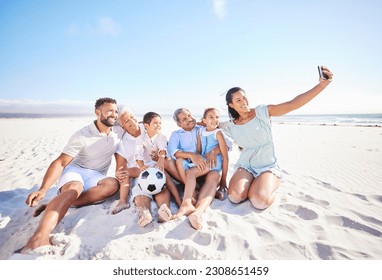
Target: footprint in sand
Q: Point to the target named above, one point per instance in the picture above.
(202, 238)
(325, 252)
(302, 212)
(311, 199)
(358, 226)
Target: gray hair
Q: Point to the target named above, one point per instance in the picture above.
(121, 110)
(177, 112)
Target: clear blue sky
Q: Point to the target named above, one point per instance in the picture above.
(160, 55)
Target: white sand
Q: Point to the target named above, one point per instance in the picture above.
(328, 206)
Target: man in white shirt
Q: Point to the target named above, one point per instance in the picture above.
(80, 170)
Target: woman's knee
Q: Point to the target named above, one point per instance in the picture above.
(261, 200)
(234, 196)
(237, 191)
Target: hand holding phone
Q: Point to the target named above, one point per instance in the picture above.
(322, 74)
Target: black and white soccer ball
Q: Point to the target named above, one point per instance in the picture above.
(152, 180)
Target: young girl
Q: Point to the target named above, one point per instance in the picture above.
(208, 138)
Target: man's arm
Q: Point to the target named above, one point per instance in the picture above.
(172, 146)
(51, 176)
(200, 162)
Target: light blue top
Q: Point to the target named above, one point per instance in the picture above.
(255, 139)
(183, 140)
(208, 142)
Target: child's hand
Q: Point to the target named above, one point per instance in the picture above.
(211, 159)
(154, 155)
(144, 167)
(200, 161)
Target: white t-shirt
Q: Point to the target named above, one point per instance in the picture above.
(146, 145)
(92, 149)
(128, 149)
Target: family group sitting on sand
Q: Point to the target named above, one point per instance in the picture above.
(193, 151)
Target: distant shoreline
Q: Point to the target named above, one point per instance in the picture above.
(363, 120)
(38, 116)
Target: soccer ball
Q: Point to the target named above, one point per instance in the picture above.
(152, 180)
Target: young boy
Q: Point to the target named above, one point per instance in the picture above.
(152, 141)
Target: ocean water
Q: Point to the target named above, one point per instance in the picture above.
(335, 119)
(318, 119)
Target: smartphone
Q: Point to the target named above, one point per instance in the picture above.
(322, 74)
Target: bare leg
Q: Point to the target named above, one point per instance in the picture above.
(54, 212)
(173, 189)
(163, 197)
(123, 196)
(262, 190)
(163, 201)
(239, 185)
(187, 207)
(104, 189)
(206, 195)
(181, 171)
(170, 166)
(143, 204)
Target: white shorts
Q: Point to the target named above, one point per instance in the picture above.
(87, 177)
(136, 190)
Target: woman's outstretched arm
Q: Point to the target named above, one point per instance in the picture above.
(302, 99)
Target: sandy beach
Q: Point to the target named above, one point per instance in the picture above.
(328, 206)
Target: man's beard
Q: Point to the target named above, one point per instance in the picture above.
(109, 122)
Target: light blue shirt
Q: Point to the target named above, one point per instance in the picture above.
(183, 140)
(255, 139)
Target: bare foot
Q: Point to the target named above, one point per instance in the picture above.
(39, 210)
(144, 217)
(184, 210)
(195, 220)
(164, 213)
(35, 242)
(120, 206)
(42, 250)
